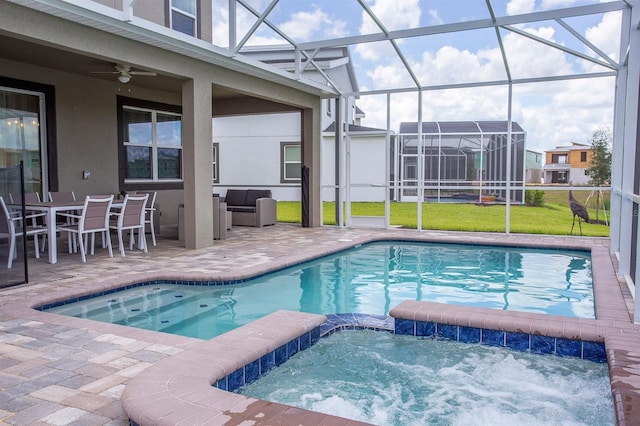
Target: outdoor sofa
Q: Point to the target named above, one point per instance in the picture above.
(251, 207)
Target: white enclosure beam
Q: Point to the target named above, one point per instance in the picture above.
(471, 25)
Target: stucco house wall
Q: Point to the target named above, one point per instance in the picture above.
(250, 152)
(87, 131)
(250, 157)
(367, 156)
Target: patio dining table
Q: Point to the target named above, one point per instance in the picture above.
(52, 209)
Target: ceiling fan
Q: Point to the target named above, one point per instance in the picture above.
(125, 73)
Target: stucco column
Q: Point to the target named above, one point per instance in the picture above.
(311, 158)
(197, 163)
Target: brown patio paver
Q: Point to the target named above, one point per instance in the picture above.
(45, 358)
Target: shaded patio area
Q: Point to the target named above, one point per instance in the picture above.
(61, 370)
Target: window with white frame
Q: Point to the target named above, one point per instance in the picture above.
(152, 142)
(184, 16)
(216, 162)
(291, 162)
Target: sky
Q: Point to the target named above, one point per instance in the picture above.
(552, 113)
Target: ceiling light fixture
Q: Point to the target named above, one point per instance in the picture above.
(123, 78)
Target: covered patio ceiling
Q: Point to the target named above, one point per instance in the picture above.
(80, 64)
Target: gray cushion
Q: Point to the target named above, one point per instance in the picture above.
(235, 197)
(241, 209)
(254, 194)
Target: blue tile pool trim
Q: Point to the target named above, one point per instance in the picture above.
(136, 285)
(591, 351)
(544, 345)
(252, 371)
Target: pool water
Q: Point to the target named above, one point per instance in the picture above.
(370, 279)
(386, 379)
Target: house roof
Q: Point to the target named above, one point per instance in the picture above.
(335, 62)
(573, 147)
(353, 128)
(459, 127)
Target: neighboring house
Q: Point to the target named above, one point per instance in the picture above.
(264, 150)
(568, 164)
(258, 151)
(365, 163)
(460, 157)
(533, 167)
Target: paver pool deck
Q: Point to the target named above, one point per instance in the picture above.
(61, 370)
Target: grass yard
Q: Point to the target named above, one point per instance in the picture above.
(553, 218)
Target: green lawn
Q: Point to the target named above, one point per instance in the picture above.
(553, 218)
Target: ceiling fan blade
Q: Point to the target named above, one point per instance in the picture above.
(149, 73)
(104, 72)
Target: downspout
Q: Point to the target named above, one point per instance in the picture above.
(439, 159)
(419, 159)
(347, 166)
(338, 161)
(508, 175)
(481, 179)
(387, 167)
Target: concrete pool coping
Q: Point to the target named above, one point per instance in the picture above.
(613, 325)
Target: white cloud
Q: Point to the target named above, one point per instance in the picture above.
(244, 21)
(555, 4)
(303, 25)
(435, 17)
(394, 15)
(517, 7)
(451, 65)
(552, 113)
(571, 114)
(336, 29)
(528, 58)
(606, 35)
(220, 23)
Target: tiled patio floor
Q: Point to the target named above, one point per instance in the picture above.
(60, 370)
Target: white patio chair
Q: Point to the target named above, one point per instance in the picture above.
(29, 197)
(62, 196)
(93, 218)
(131, 217)
(37, 220)
(150, 208)
(11, 226)
(65, 197)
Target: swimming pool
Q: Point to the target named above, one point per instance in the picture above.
(380, 378)
(371, 278)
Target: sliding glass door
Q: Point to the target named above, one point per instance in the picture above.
(22, 136)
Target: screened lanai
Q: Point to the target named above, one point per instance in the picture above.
(560, 70)
(539, 66)
(463, 161)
